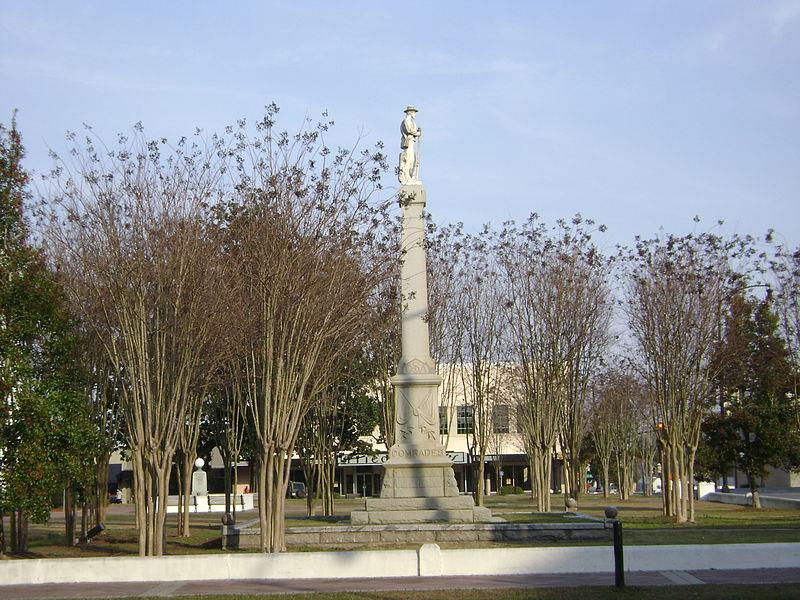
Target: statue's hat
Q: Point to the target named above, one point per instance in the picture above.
(411, 109)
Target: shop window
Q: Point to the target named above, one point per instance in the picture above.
(500, 422)
(444, 420)
(465, 422)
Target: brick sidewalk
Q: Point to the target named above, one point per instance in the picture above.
(284, 586)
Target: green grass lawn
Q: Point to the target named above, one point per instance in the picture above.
(644, 523)
(704, 592)
(642, 519)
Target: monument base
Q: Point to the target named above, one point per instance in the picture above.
(419, 493)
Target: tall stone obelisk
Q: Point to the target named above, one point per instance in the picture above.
(418, 482)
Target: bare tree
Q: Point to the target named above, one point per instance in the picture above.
(382, 351)
(625, 393)
(785, 271)
(646, 454)
(188, 438)
(129, 236)
(480, 319)
(675, 297)
(103, 397)
(444, 248)
(304, 237)
(591, 311)
(603, 418)
(230, 417)
(558, 312)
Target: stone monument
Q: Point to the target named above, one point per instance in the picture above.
(419, 484)
(200, 487)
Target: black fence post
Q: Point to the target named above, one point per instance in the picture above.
(619, 561)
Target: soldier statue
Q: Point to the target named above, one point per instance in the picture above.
(409, 158)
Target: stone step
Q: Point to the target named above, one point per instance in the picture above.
(440, 503)
(363, 517)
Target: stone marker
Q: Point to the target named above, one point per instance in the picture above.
(200, 487)
(419, 484)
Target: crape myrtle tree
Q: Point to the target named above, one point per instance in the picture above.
(185, 456)
(617, 421)
(675, 296)
(444, 247)
(130, 235)
(478, 309)
(646, 448)
(225, 422)
(102, 394)
(333, 426)
(626, 395)
(558, 311)
(381, 349)
(46, 437)
(784, 268)
(602, 422)
(591, 313)
(305, 235)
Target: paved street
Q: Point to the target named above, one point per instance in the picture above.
(175, 589)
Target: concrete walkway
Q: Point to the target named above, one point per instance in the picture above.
(286, 586)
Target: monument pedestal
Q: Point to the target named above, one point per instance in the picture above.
(419, 485)
(430, 509)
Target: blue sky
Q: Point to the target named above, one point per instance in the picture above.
(639, 114)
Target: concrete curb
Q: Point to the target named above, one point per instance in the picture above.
(746, 500)
(427, 560)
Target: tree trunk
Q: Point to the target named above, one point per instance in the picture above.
(150, 498)
(19, 532)
(186, 493)
(163, 472)
(140, 500)
(679, 494)
(101, 489)
(2, 535)
(14, 536)
(23, 532)
(227, 483)
(690, 486)
(540, 480)
(532, 478)
(84, 522)
(480, 484)
(235, 483)
(69, 515)
(331, 481)
(548, 479)
(263, 498)
(179, 480)
(754, 493)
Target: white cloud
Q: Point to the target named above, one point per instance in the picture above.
(715, 40)
(783, 16)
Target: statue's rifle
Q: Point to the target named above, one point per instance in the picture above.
(417, 154)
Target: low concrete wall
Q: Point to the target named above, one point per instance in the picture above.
(212, 503)
(288, 565)
(511, 561)
(712, 556)
(428, 560)
(338, 535)
(746, 500)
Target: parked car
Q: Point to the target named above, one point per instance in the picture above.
(296, 489)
